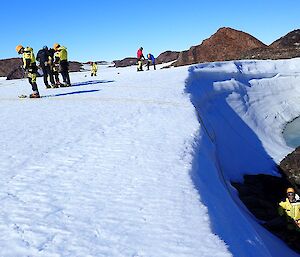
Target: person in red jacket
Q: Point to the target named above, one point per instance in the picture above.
(140, 58)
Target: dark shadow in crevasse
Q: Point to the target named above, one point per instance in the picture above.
(261, 194)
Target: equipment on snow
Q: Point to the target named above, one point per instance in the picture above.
(33, 95)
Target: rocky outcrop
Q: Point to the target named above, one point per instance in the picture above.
(286, 47)
(229, 44)
(7, 66)
(167, 56)
(271, 53)
(226, 44)
(17, 73)
(129, 61)
(75, 66)
(11, 68)
(292, 39)
(290, 166)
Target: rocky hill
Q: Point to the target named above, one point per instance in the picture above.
(290, 165)
(292, 39)
(225, 44)
(230, 44)
(9, 65)
(271, 53)
(129, 61)
(167, 56)
(11, 68)
(285, 47)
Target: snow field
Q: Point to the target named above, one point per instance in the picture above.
(125, 164)
(102, 169)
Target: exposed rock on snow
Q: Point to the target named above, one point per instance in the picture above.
(167, 56)
(129, 61)
(290, 165)
(9, 67)
(225, 44)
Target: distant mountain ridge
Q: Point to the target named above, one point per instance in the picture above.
(165, 57)
(224, 45)
(230, 44)
(11, 68)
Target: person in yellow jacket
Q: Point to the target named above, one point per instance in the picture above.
(29, 65)
(290, 208)
(62, 59)
(94, 69)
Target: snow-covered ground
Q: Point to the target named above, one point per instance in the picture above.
(124, 165)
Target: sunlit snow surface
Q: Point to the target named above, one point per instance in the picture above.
(125, 164)
(102, 169)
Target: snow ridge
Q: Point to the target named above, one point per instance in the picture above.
(235, 140)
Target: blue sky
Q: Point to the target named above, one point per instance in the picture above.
(115, 29)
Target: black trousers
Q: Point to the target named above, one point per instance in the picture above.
(47, 72)
(64, 71)
(149, 63)
(56, 76)
(55, 72)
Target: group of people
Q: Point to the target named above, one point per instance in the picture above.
(141, 58)
(55, 60)
(52, 62)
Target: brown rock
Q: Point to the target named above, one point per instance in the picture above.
(272, 53)
(75, 66)
(17, 73)
(290, 165)
(167, 56)
(286, 47)
(292, 39)
(129, 61)
(8, 66)
(226, 44)
(11, 68)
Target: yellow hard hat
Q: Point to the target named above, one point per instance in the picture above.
(290, 190)
(18, 48)
(56, 46)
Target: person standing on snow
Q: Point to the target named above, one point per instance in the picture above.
(62, 59)
(94, 69)
(54, 66)
(140, 58)
(30, 67)
(44, 58)
(290, 208)
(150, 60)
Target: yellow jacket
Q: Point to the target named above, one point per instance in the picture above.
(292, 210)
(94, 67)
(63, 54)
(28, 58)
